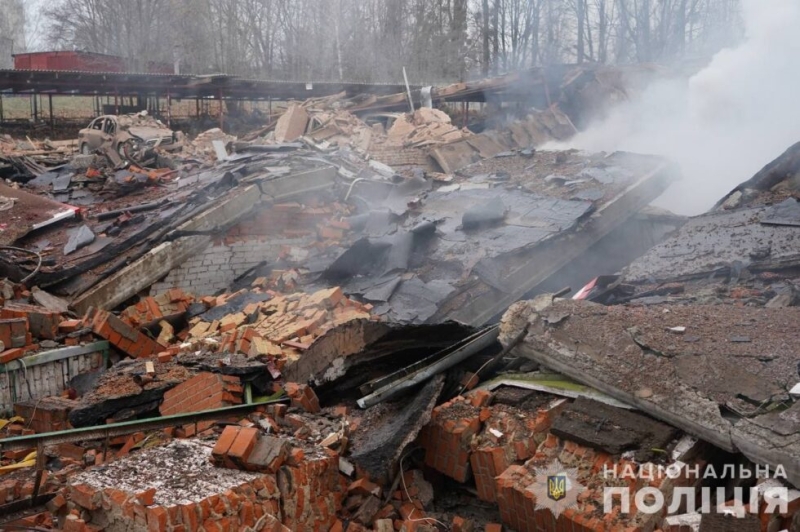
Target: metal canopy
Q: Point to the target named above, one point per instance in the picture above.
(218, 86)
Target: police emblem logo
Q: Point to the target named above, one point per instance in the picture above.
(557, 486)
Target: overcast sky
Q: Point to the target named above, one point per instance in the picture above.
(34, 24)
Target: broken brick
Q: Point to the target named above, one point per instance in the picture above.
(303, 396)
(243, 446)
(363, 486)
(119, 334)
(147, 497)
(11, 354)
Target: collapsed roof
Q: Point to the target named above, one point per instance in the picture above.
(707, 340)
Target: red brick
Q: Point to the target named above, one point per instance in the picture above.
(247, 516)
(147, 497)
(224, 443)
(53, 506)
(13, 332)
(70, 450)
(364, 487)
(122, 336)
(85, 496)
(42, 323)
(296, 456)
(189, 517)
(68, 326)
(156, 519)
(74, 524)
(11, 354)
(470, 380)
(303, 396)
(204, 391)
(243, 445)
(480, 397)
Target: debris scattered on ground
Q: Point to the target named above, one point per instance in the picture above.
(295, 329)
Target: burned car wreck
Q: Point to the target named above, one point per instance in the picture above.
(133, 138)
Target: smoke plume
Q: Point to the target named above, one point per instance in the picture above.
(727, 121)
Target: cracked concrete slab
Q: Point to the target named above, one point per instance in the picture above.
(731, 394)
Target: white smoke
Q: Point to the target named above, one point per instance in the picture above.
(726, 122)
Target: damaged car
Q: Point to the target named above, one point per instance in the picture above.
(133, 138)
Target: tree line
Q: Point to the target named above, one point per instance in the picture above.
(371, 40)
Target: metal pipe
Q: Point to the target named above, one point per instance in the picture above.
(499, 356)
(483, 340)
(113, 430)
(408, 90)
(353, 184)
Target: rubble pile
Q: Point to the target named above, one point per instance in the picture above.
(202, 146)
(424, 127)
(288, 331)
(341, 129)
(22, 159)
(25, 324)
(279, 326)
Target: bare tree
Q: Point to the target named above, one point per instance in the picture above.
(371, 40)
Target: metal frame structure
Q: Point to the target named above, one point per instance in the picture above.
(168, 87)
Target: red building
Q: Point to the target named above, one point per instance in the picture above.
(81, 62)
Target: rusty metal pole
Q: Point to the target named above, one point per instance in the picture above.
(41, 462)
(50, 103)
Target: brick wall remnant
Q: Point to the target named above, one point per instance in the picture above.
(191, 494)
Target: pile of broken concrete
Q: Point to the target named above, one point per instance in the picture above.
(242, 409)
